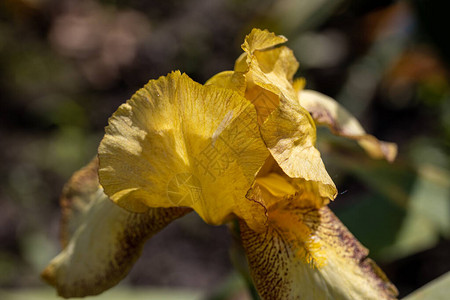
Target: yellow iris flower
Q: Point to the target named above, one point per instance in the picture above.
(242, 146)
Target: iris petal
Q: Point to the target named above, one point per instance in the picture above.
(229, 80)
(307, 253)
(290, 136)
(178, 143)
(326, 111)
(287, 128)
(259, 39)
(101, 241)
(268, 70)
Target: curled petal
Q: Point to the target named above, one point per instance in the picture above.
(290, 136)
(287, 128)
(268, 70)
(259, 39)
(326, 111)
(101, 240)
(307, 253)
(274, 188)
(270, 76)
(277, 66)
(276, 185)
(178, 143)
(76, 198)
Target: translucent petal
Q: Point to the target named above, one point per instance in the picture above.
(268, 71)
(259, 39)
(276, 185)
(101, 240)
(178, 143)
(274, 188)
(269, 76)
(277, 63)
(286, 127)
(307, 253)
(229, 80)
(290, 135)
(241, 63)
(265, 99)
(326, 111)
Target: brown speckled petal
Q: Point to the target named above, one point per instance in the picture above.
(307, 253)
(101, 240)
(326, 111)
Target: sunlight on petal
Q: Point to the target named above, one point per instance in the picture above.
(259, 39)
(229, 80)
(290, 135)
(307, 253)
(178, 143)
(268, 71)
(287, 128)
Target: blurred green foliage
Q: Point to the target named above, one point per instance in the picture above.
(438, 289)
(65, 66)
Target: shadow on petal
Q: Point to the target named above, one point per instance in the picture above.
(101, 241)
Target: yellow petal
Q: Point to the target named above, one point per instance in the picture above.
(274, 188)
(265, 99)
(101, 240)
(268, 70)
(259, 39)
(299, 84)
(287, 128)
(269, 77)
(276, 185)
(277, 64)
(241, 63)
(229, 80)
(326, 111)
(178, 143)
(307, 253)
(290, 135)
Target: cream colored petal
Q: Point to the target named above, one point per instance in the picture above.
(178, 143)
(326, 111)
(76, 198)
(101, 240)
(290, 135)
(307, 253)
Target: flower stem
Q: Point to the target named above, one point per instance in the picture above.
(239, 259)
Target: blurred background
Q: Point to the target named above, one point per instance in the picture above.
(65, 67)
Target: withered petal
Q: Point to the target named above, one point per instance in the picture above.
(326, 111)
(101, 240)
